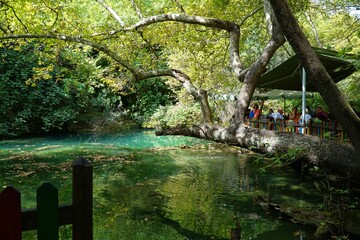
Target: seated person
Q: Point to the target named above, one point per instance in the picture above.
(307, 117)
(278, 115)
(269, 115)
(311, 112)
(255, 113)
(321, 115)
(294, 115)
(251, 114)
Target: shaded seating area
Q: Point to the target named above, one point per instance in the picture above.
(290, 76)
(329, 129)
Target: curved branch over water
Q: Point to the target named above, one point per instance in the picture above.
(336, 157)
(231, 27)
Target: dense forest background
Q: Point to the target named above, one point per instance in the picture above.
(49, 85)
(70, 90)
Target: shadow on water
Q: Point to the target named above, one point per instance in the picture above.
(147, 187)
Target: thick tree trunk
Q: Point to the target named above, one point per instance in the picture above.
(259, 67)
(340, 159)
(205, 107)
(322, 81)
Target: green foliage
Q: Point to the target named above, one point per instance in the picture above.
(293, 154)
(351, 90)
(178, 114)
(29, 107)
(279, 159)
(91, 79)
(46, 89)
(146, 97)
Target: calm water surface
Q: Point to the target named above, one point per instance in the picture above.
(148, 187)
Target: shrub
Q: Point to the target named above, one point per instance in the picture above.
(184, 114)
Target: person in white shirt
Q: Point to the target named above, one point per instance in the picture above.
(278, 115)
(307, 117)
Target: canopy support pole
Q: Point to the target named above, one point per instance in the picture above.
(303, 105)
(284, 105)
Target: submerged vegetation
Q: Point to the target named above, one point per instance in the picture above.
(174, 187)
(192, 192)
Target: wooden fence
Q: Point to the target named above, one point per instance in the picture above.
(329, 129)
(48, 216)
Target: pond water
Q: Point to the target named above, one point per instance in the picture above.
(168, 187)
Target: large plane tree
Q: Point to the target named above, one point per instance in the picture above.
(207, 45)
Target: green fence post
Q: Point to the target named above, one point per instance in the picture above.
(47, 216)
(82, 200)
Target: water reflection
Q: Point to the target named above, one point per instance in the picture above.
(142, 192)
(191, 194)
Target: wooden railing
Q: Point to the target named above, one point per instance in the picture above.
(48, 216)
(329, 129)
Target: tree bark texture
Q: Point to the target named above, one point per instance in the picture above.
(338, 158)
(199, 95)
(255, 71)
(316, 72)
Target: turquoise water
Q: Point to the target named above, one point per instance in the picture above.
(135, 140)
(148, 187)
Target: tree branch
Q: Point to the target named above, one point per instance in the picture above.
(3, 29)
(313, 29)
(253, 74)
(16, 16)
(180, 6)
(112, 12)
(138, 74)
(249, 15)
(56, 13)
(206, 22)
(231, 27)
(138, 12)
(77, 40)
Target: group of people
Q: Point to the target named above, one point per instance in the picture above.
(295, 116)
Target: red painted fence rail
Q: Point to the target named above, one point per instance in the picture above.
(48, 216)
